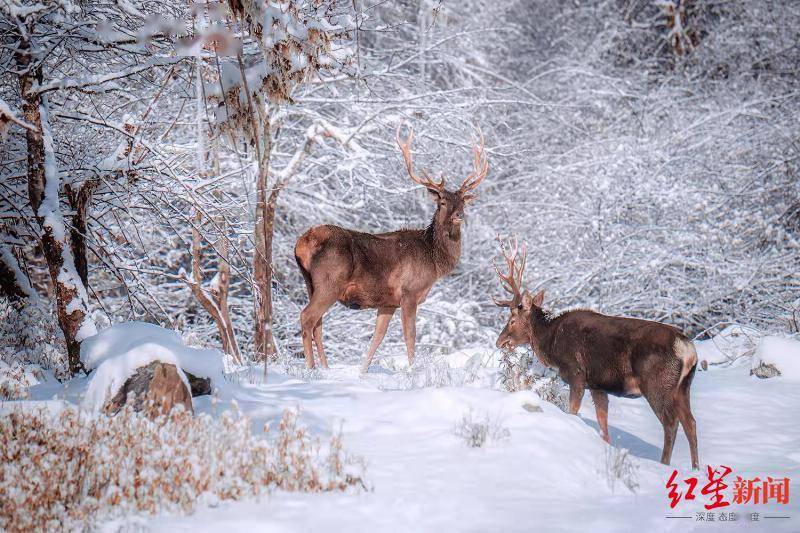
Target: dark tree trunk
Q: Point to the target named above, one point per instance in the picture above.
(55, 246)
(80, 202)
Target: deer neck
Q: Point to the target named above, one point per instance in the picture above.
(445, 243)
(542, 329)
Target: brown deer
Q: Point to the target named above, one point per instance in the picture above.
(384, 271)
(606, 354)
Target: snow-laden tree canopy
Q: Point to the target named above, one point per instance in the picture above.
(647, 155)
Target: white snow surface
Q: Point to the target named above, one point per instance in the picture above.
(547, 476)
(118, 351)
(781, 352)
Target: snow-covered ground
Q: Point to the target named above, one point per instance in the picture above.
(549, 474)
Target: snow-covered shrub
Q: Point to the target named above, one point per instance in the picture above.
(15, 378)
(450, 324)
(428, 370)
(61, 469)
(478, 431)
(552, 390)
(728, 345)
(435, 370)
(620, 467)
(515, 371)
(519, 370)
(29, 335)
(298, 369)
(522, 370)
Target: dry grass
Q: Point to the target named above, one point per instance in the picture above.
(620, 467)
(61, 470)
(478, 431)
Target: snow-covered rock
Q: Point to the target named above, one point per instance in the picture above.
(159, 383)
(780, 353)
(118, 351)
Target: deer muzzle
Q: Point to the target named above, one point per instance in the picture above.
(504, 343)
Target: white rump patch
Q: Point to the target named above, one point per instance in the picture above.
(686, 352)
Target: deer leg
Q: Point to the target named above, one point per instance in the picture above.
(317, 334)
(688, 423)
(600, 399)
(306, 331)
(663, 405)
(381, 325)
(309, 317)
(576, 391)
(670, 424)
(409, 316)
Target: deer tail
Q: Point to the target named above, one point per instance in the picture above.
(306, 276)
(685, 351)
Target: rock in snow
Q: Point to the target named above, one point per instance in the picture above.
(199, 386)
(116, 353)
(777, 356)
(159, 383)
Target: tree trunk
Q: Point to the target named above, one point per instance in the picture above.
(79, 201)
(264, 342)
(217, 305)
(44, 196)
(220, 293)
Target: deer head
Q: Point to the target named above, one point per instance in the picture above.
(518, 328)
(450, 205)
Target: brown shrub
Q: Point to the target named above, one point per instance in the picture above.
(62, 470)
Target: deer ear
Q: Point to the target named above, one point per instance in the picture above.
(527, 301)
(538, 300)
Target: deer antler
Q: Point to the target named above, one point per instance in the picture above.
(405, 148)
(481, 164)
(511, 282)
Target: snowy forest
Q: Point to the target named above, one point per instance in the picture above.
(160, 161)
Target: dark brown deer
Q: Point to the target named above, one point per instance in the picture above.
(384, 271)
(605, 354)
